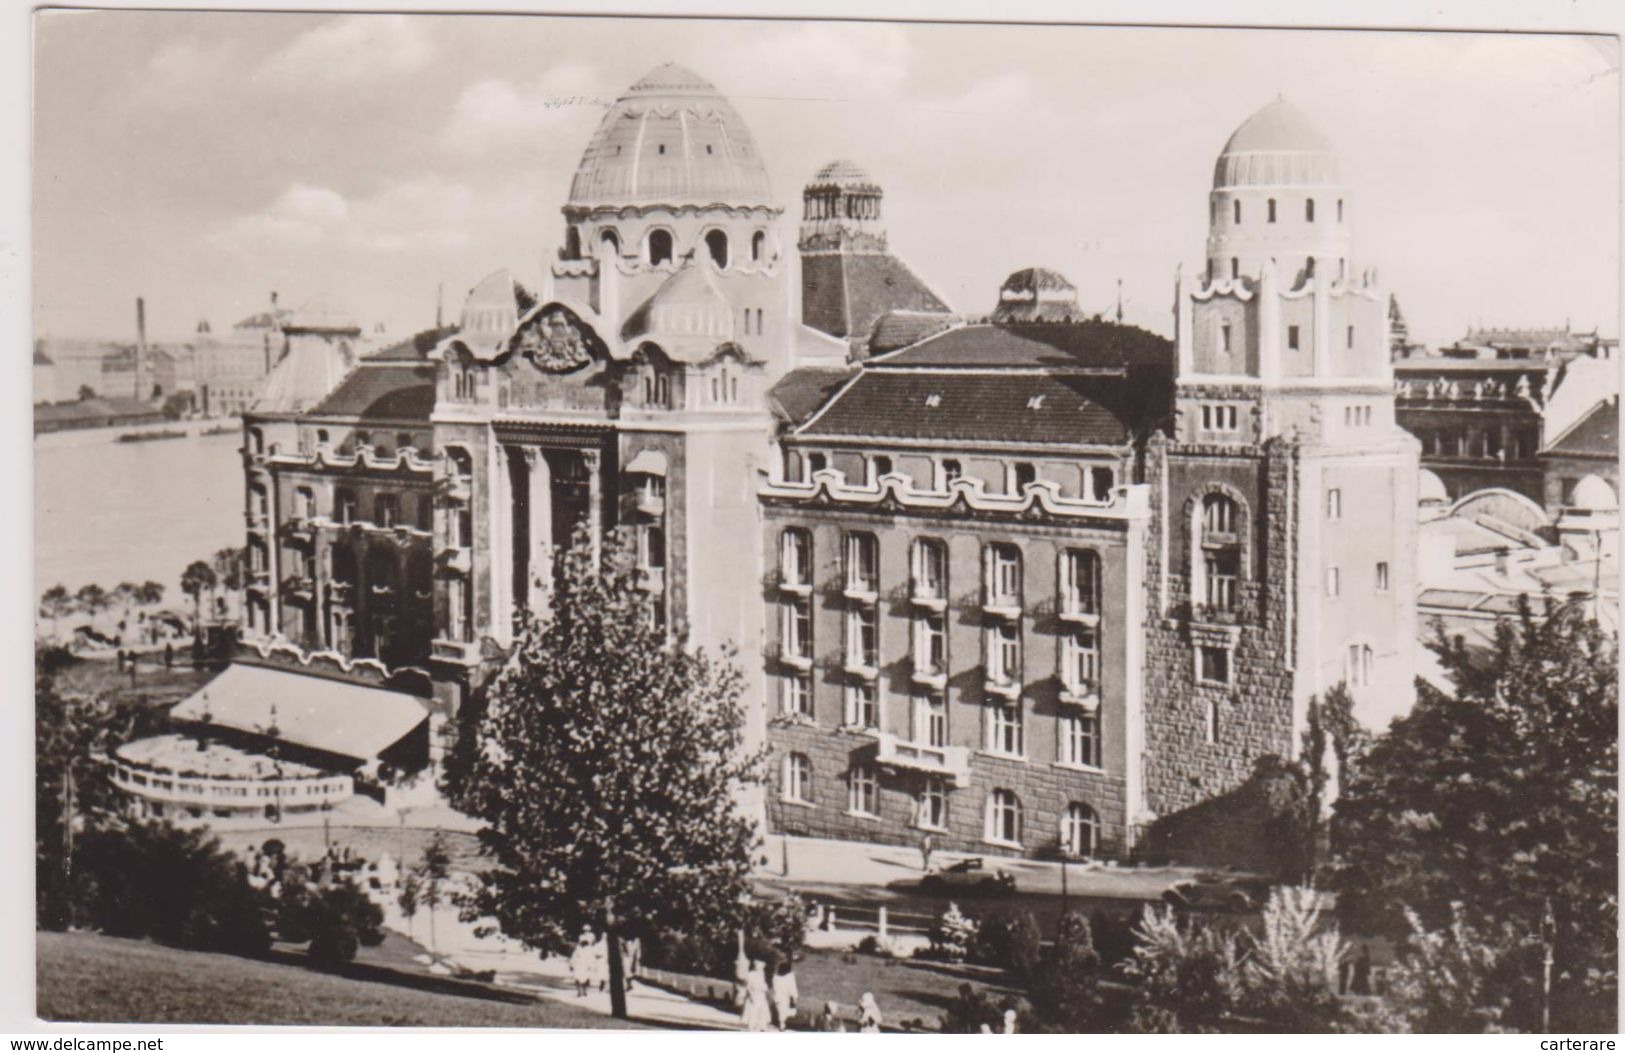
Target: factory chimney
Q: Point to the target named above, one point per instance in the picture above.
(140, 344)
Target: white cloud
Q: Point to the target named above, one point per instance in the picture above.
(419, 213)
(349, 50)
(494, 115)
(181, 69)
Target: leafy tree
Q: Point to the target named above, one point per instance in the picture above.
(1444, 983)
(197, 579)
(55, 603)
(1010, 942)
(125, 596)
(86, 392)
(1504, 799)
(1187, 976)
(228, 568)
(951, 934)
(606, 760)
(92, 599)
(431, 879)
(1290, 976)
(151, 594)
(972, 1010)
(1065, 988)
(336, 917)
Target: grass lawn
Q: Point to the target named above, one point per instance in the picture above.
(99, 979)
(903, 988)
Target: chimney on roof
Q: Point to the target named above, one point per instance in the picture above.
(440, 306)
(273, 299)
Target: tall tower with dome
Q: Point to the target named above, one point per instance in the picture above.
(1286, 561)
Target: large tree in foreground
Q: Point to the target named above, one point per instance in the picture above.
(1503, 799)
(606, 760)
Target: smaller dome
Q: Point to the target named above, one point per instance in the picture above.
(1037, 294)
(1593, 494)
(843, 173)
(1430, 489)
(1277, 146)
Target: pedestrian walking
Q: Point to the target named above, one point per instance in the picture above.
(741, 973)
(600, 962)
(869, 1018)
(581, 963)
(786, 995)
(631, 959)
(756, 1014)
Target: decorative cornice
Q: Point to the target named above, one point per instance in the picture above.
(1042, 498)
(364, 456)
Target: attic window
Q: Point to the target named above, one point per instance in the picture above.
(933, 401)
(1036, 402)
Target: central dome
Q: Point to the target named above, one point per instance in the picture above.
(672, 139)
(1277, 146)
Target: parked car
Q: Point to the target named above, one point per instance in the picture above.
(968, 877)
(1236, 893)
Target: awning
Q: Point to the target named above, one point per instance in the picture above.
(647, 462)
(317, 712)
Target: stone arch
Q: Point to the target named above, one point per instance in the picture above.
(1503, 504)
(1242, 513)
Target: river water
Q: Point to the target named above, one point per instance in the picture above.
(106, 511)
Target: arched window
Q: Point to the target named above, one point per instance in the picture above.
(1235, 268)
(1309, 209)
(716, 242)
(610, 242)
(1219, 553)
(1003, 817)
(758, 246)
(795, 558)
(796, 781)
(1272, 210)
(1237, 210)
(660, 247)
(1080, 830)
(459, 462)
(862, 563)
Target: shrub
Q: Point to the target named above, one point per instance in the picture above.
(1065, 988)
(952, 933)
(336, 919)
(1009, 942)
(156, 881)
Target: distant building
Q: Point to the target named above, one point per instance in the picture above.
(44, 376)
(95, 413)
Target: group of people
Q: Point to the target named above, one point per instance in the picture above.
(765, 1004)
(589, 962)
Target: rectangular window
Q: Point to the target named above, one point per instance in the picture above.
(1222, 568)
(1334, 504)
(1080, 582)
(1004, 653)
(862, 706)
(878, 466)
(862, 563)
(1004, 729)
(1022, 475)
(1292, 338)
(387, 510)
(1080, 739)
(795, 558)
(1351, 338)
(1224, 337)
(1213, 664)
(796, 628)
(1003, 575)
(931, 804)
(1382, 577)
(952, 471)
(863, 791)
(930, 569)
(930, 720)
(1358, 667)
(1334, 582)
(465, 528)
(931, 645)
(795, 695)
(862, 638)
(1080, 661)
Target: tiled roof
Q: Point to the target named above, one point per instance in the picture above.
(1079, 345)
(897, 329)
(1596, 433)
(1018, 407)
(800, 392)
(845, 293)
(383, 391)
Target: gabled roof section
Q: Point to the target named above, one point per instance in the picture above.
(844, 294)
(415, 348)
(899, 329)
(800, 392)
(1596, 434)
(383, 390)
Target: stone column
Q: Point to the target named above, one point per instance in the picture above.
(539, 481)
(500, 532)
(593, 461)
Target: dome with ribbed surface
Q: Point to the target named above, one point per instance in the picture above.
(1277, 146)
(843, 173)
(672, 139)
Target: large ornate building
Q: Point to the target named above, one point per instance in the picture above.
(1029, 583)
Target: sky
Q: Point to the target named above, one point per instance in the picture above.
(202, 160)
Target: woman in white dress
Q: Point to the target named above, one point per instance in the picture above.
(757, 1014)
(581, 963)
(869, 1018)
(785, 994)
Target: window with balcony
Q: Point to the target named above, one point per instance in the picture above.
(1001, 583)
(931, 804)
(345, 507)
(1004, 653)
(795, 695)
(929, 721)
(1080, 739)
(1080, 582)
(795, 629)
(795, 558)
(929, 569)
(1213, 664)
(1004, 729)
(796, 780)
(1080, 662)
(1003, 818)
(863, 638)
(931, 644)
(386, 510)
(1219, 555)
(1080, 830)
(862, 706)
(862, 564)
(863, 791)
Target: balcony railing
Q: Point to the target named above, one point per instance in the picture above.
(463, 653)
(299, 587)
(1006, 607)
(864, 667)
(928, 600)
(652, 579)
(930, 672)
(257, 521)
(951, 762)
(1084, 694)
(1002, 684)
(648, 504)
(458, 560)
(1077, 615)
